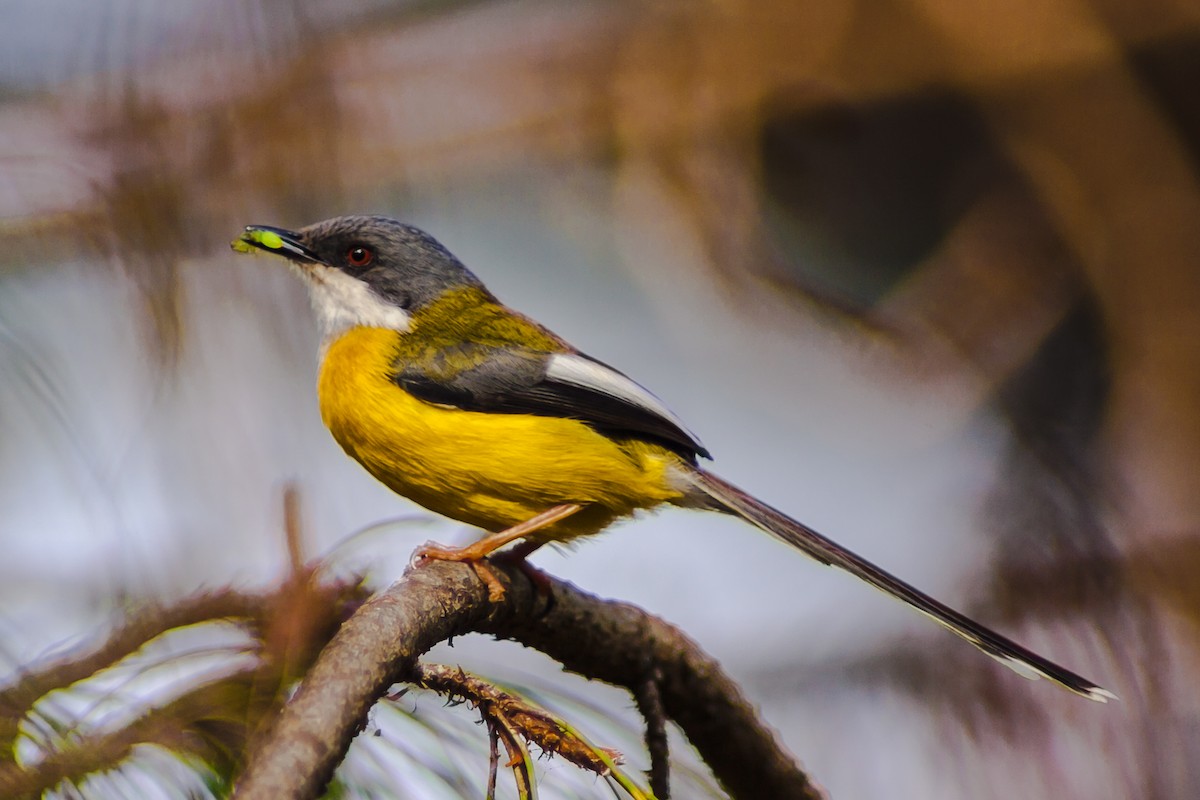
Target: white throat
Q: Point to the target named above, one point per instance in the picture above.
(342, 302)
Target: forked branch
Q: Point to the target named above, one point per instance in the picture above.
(610, 641)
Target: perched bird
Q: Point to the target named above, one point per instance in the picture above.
(478, 413)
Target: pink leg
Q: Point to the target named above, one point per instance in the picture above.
(475, 553)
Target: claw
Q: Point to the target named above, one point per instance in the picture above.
(476, 553)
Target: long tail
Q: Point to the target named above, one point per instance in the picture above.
(813, 544)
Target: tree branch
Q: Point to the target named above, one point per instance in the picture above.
(212, 721)
(649, 703)
(178, 726)
(140, 627)
(606, 640)
(616, 642)
(535, 725)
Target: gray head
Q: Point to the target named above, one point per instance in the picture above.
(364, 270)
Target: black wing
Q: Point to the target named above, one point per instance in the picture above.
(514, 380)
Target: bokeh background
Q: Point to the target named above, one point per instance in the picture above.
(924, 273)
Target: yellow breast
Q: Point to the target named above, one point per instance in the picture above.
(488, 470)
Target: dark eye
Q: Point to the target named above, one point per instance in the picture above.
(359, 256)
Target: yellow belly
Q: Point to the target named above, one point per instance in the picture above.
(488, 470)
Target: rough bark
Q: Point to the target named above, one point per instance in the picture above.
(605, 640)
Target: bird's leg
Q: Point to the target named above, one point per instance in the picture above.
(475, 553)
(483, 548)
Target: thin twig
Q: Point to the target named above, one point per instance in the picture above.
(550, 734)
(649, 703)
(139, 627)
(293, 531)
(212, 722)
(493, 761)
(179, 726)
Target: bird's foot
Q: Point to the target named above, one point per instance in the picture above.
(476, 553)
(467, 555)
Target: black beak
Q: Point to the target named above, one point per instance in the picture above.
(274, 240)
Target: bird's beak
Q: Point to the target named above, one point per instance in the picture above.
(274, 240)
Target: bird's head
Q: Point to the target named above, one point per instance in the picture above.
(364, 270)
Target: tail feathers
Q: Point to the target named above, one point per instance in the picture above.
(1024, 662)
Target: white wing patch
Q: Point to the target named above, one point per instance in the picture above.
(588, 374)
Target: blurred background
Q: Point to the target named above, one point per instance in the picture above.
(923, 273)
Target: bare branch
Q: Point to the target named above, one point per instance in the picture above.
(534, 724)
(140, 627)
(374, 649)
(617, 642)
(194, 723)
(649, 703)
(606, 640)
(213, 721)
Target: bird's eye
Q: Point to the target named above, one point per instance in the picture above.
(359, 256)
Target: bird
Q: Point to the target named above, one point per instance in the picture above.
(480, 414)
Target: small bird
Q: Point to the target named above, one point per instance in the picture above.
(478, 413)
